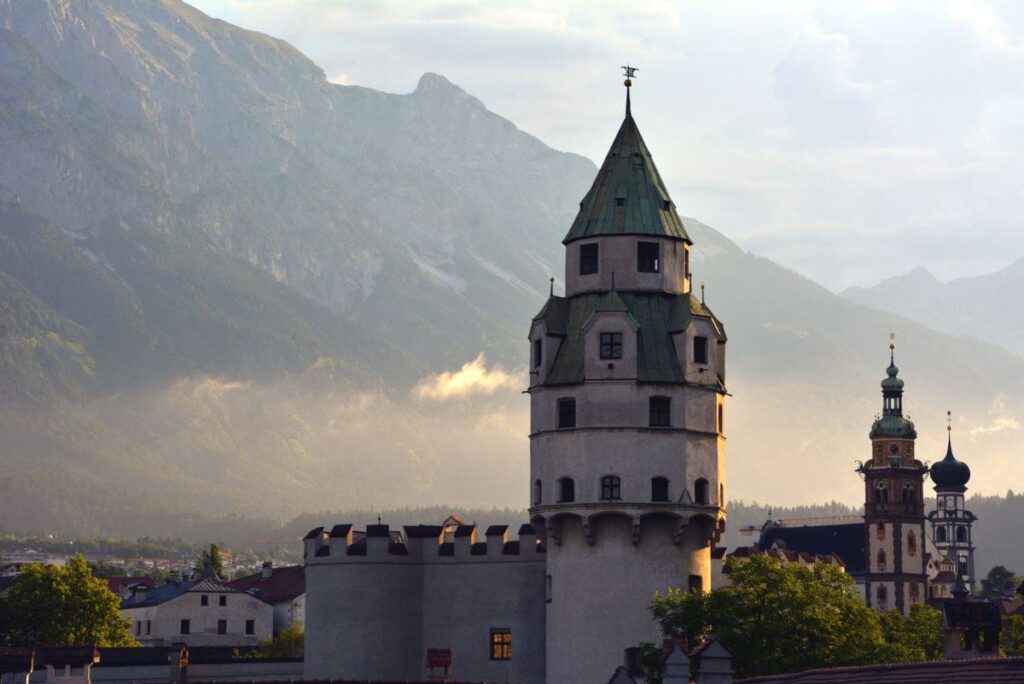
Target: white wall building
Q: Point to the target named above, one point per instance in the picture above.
(627, 477)
(203, 613)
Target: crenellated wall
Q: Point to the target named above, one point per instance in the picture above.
(376, 600)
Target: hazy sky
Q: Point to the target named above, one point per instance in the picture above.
(847, 140)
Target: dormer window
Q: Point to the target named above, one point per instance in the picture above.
(648, 257)
(588, 258)
(538, 352)
(620, 201)
(611, 345)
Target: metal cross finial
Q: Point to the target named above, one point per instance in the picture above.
(629, 71)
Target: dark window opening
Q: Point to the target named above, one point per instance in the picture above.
(566, 490)
(961, 534)
(660, 409)
(222, 626)
(963, 567)
(223, 600)
(250, 627)
(912, 544)
(700, 491)
(611, 488)
(648, 257)
(721, 419)
(204, 600)
(566, 413)
(940, 534)
(695, 583)
(538, 353)
(721, 495)
(537, 490)
(881, 494)
(138, 628)
(880, 530)
(588, 259)
(185, 626)
(881, 561)
(501, 644)
(883, 597)
(149, 627)
(620, 201)
(611, 345)
(908, 494)
(659, 489)
(700, 350)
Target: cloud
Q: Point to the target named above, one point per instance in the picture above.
(1001, 419)
(473, 378)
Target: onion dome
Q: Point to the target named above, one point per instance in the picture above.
(950, 473)
(892, 382)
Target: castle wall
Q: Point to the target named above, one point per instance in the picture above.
(600, 593)
(375, 615)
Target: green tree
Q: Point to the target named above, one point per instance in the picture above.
(1000, 582)
(1011, 638)
(210, 563)
(51, 605)
(290, 643)
(781, 618)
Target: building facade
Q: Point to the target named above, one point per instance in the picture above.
(951, 522)
(202, 613)
(896, 563)
(627, 477)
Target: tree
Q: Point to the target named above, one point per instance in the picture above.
(290, 643)
(210, 563)
(915, 638)
(1000, 582)
(779, 618)
(51, 605)
(1011, 638)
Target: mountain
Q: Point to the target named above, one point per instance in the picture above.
(221, 277)
(985, 306)
(420, 219)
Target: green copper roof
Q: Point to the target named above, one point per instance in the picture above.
(657, 315)
(628, 196)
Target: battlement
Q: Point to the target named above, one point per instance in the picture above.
(421, 543)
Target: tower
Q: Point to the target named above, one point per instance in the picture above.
(627, 444)
(950, 521)
(894, 506)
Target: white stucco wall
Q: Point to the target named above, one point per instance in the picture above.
(165, 620)
(618, 255)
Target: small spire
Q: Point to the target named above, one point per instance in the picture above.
(702, 293)
(551, 293)
(630, 73)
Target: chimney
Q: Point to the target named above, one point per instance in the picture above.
(268, 570)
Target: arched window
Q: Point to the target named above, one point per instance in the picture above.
(700, 491)
(881, 494)
(880, 530)
(915, 592)
(883, 598)
(911, 544)
(881, 561)
(659, 489)
(963, 567)
(611, 488)
(537, 493)
(940, 535)
(908, 493)
(566, 490)
(961, 533)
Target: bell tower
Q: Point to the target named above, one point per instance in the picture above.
(894, 505)
(627, 435)
(951, 522)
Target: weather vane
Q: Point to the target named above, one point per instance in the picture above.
(630, 71)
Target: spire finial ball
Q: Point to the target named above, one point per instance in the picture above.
(628, 83)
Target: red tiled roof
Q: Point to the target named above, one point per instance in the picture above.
(973, 671)
(284, 584)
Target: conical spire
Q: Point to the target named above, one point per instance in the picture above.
(628, 196)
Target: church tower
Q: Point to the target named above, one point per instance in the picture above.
(894, 506)
(627, 435)
(951, 522)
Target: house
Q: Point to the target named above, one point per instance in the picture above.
(283, 588)
(203, 612)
